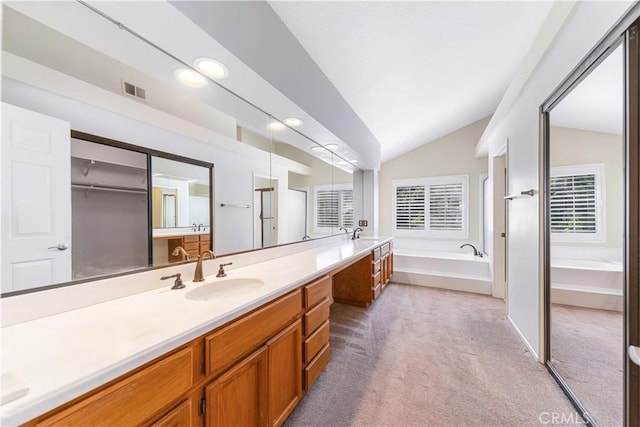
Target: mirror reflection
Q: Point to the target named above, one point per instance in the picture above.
(586, 218)
(273, 185)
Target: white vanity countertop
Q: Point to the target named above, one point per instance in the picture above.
(170, 232)
(63, 356)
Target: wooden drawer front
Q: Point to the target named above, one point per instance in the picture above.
(191, 238)
(234, 341)
(386, 248)
(376, 291)
(177, 417)
(204, 246)
(376, 280)
(205, 237)
(134, 399)
(317, 291)
(376, 254)
(315, 342)
(376, 266)
(316, 317)
(315, 368)
(191, 246)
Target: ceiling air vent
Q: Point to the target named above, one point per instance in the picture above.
(133, 90)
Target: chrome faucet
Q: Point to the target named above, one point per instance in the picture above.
(195, 226)
(197, 275)
(355, 233)
(475, 251)
(201, 225)
(180, 250)
(345, 230)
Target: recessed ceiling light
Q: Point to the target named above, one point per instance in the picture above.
(190, 77)
(211, 68)
(353, 161)
(331, 146)
(293, 121)
(318, 148)
(275, 125)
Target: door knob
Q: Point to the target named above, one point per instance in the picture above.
(60, 247)
(634, 354)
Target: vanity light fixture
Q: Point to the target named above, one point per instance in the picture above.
(190, 77)
(276, 125)
(293, 122)
(211, 67)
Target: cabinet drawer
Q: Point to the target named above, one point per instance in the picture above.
(204, 246)
(205, 237)
(134, 399)
(317, 291)
(191, 238)
(315, 342)
(386, 248)
(315, 368)
(316, 317)
(376, 280)
(179, 416)
(376, 291)
(376, 266)
(237, 339)
(376, 254)
(191, 246)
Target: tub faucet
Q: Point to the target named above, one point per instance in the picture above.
(475, 251)
(197, 275)
(355, 233)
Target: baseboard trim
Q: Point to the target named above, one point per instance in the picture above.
(531, 350)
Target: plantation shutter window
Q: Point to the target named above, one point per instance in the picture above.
(431, 206)
(410, 207)
(333, 207)
(446, 207)
(576, 197)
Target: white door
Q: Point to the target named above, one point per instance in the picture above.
(36, 200)
(297, 211)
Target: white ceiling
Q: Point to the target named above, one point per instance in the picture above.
(597, 103)
(415, 71)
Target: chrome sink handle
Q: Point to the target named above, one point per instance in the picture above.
(221, 272)
(177, 284)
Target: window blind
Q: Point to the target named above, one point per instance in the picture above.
(573, 204)
(327, 203)
(334, 208)
(446, 208)
(410, 207)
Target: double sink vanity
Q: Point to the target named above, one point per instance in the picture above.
(238, 350)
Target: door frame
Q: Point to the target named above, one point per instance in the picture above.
(626, 32)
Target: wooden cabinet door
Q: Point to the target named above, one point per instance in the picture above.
(239, 397)
(285, 372)
(177, 417)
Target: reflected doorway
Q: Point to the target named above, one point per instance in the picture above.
(265, 202)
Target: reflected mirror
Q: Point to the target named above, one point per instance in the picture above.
(586, 220)
(82, 78)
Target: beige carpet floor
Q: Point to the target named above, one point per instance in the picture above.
(587, 350)
(428, 357)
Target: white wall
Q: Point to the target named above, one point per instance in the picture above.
(453, 154)
(587, 24)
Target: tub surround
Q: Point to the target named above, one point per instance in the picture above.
(69, 353)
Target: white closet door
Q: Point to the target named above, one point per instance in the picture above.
(36, 200)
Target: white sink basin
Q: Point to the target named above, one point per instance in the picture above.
(223, 288)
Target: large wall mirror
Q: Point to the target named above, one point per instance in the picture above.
(271, 184)
(585, 229)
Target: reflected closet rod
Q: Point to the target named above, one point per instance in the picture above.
(106, 188)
